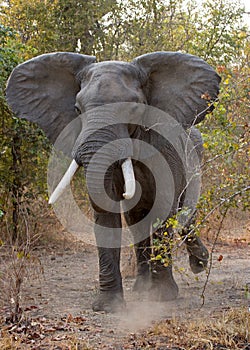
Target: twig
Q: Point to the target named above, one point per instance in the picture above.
(211, 257)
(223, 201)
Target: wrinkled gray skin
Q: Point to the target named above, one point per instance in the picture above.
(48, 89)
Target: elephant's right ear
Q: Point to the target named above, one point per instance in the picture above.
(180, 84)
(43, 90)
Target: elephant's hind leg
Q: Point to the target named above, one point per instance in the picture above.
(198, 253)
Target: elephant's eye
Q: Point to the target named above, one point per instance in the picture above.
(77, 109)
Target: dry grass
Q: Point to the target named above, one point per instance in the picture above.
(225, 330)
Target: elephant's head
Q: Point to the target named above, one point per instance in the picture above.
(52, 88)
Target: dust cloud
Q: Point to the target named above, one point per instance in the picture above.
(143, 314)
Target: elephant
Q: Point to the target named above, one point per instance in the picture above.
(54, 89)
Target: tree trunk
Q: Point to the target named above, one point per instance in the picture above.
(16, 183)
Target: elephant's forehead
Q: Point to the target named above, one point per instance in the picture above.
(113, 67)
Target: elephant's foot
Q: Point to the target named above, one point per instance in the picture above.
(198, 255)
(164, 287)
(109, 302)
(142, 282)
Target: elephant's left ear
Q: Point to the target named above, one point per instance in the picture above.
(180, 84)
(43, 89)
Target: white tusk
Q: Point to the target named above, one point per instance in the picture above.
(65, 181)
(129, 178)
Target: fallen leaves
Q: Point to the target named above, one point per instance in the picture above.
(220, 258)
(76, 319)
(41, 332)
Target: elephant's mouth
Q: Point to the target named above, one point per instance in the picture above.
(128, 175)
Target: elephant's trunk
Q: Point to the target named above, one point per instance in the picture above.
(100, 160)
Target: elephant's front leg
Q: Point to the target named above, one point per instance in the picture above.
(108, 239)
(164, 287)
(141, 233)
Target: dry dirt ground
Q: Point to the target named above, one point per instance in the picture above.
(59, 302)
